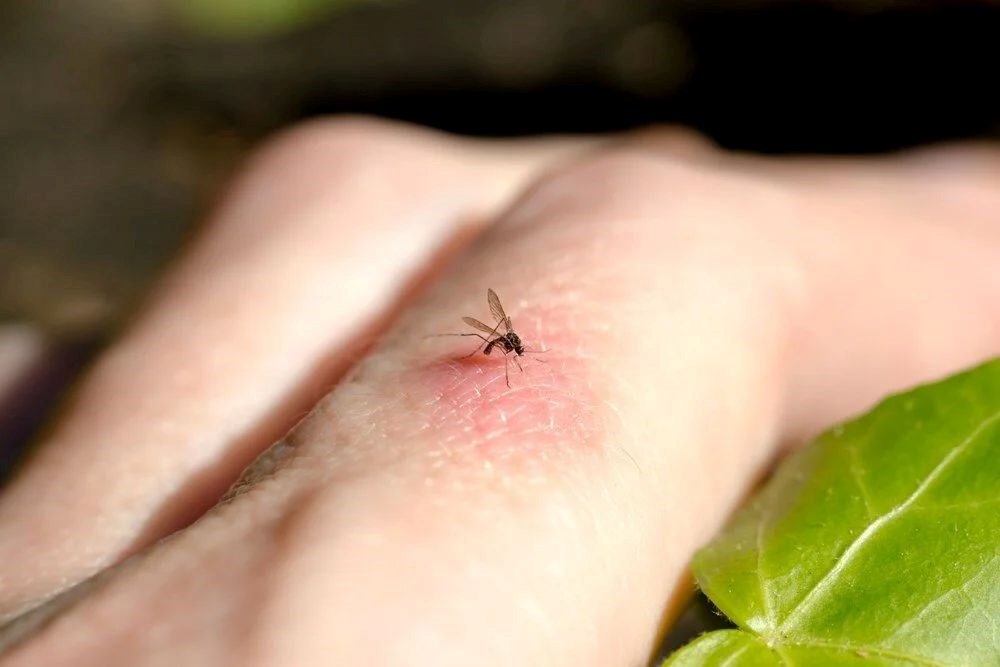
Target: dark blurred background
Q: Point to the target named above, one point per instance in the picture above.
(121, 117)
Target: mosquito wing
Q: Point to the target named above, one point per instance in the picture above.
(476, 324)
(497, 309)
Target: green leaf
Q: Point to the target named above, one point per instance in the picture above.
(878, 544)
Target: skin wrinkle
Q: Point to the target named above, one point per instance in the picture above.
(28, 623)
(25, 623)
(102, 605)
(266, 465)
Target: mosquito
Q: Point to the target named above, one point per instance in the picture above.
(501, 337)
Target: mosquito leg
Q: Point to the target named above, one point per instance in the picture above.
(485, 341)
(453, 334)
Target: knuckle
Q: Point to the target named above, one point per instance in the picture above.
(352, 139)
(344, 150)
(325, 161)
(623, 214)
(620, 183)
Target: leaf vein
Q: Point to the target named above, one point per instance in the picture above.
(948, 593)
(856, 475)
(874, 650)
(822, 586)
(781, 655)
(735, 654)
(959, 506)
(765, 589)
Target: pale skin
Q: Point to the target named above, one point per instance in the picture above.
(702, 311)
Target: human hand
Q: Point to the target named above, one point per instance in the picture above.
(700, 310)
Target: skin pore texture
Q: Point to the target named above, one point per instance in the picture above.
(699, 311)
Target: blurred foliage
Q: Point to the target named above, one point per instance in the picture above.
(253, 18)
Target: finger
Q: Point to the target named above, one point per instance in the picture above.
(909, 231)
(548, 523)
(296, 272)
(848, 246)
